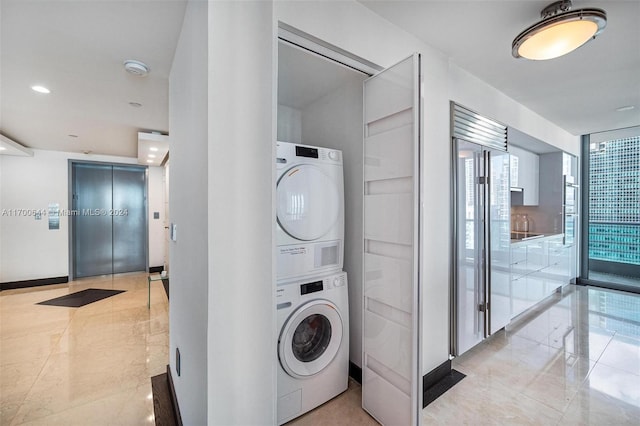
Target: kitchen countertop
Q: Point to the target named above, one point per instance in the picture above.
(537, 238)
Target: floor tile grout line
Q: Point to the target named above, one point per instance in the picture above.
(44, 364)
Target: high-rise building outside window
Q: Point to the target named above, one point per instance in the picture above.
(614, 208)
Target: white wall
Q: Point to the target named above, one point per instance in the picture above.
(165, 182)
(289, 124)
(155, 202)
(29, 249)
(242, 121)
(335, 121)
(189, 255)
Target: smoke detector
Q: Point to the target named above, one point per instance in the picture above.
(136, 67)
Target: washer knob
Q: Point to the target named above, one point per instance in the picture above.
(333, 155)
(337, 282)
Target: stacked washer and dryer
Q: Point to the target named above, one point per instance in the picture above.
(311, 293)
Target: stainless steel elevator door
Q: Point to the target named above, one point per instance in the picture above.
(109, 223)
(129, 230)
(92, 233)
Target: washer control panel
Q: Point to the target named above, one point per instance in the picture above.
(333, 155)
(337, 281)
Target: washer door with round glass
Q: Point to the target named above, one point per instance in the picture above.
(310, 339)
(308, 202)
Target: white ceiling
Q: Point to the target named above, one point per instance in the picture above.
(579, 92)
(76, 48)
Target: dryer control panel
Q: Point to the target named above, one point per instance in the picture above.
(288, 153)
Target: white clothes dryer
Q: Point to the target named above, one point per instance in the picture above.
(310, 210)
(313, 343)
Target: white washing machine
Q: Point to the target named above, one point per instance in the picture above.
(313, 344)
(310, 210)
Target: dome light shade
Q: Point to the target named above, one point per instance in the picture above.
(560, 32)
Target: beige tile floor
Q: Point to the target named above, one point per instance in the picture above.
(82, 366)
(574, 361)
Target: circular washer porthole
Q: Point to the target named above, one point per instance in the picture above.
(310, 339)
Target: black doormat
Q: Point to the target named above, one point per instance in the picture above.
(81, 298)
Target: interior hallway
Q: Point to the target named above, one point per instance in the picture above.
(575, 360)
(82, 366)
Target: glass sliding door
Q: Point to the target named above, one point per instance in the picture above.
(611, 235)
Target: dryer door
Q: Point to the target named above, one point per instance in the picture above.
(308, 202)
(310, 339)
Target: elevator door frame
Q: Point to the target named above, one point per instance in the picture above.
(70, 208)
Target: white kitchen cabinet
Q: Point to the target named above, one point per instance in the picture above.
(518, 260)
(537, 257)
(559, 259)
(525, 174)
(538, 268)
(519, 297)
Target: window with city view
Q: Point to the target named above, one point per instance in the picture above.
(614, 210)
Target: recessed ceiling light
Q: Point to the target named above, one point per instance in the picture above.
(625, 108)
(561, 31)
(149, 161)
(137, 68)
(2, 148)
(135, 104)
(151, 156)
(153, 148)
(40, 89)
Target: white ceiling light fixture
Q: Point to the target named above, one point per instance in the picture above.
(11, 147)
(561, 31)
(137, 68)
(40, 89)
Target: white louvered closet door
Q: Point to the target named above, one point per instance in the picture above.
(391, 373)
